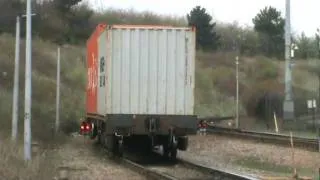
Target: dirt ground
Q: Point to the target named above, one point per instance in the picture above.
(85, 165)
(250, 157)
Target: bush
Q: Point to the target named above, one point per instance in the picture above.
(262, 69)
(130, 16)
(211, 99)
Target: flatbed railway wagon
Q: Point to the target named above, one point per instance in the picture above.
(140, 87)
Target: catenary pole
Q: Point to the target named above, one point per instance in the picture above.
(28, 75)
(237, 92)
(15, 104)
(288, 106)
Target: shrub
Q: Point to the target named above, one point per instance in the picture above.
(263, 69)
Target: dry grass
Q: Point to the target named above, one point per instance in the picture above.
(216, 82)
(86, 163)
(43, 104)
(81, 160)
(73, 79)
(13, 166)
(301, 76)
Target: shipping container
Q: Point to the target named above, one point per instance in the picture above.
(141, 70)
(140, 87)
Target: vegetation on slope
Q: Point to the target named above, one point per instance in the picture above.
(43, 85)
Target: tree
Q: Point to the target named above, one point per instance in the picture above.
(79, 24)
(307, 47)
(73, 19)
(317, 42)
(64, 6)
(206, 37)
(270, 26)
(8, 13)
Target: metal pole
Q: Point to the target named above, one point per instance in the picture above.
(58, 92)
(318, 56)
(318, 42)
(314, 118)
(28, 76)
(287, 51)
(288, 106)
(237, 93)
(319, 140)
(15, 104)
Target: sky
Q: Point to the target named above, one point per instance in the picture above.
(305, 14)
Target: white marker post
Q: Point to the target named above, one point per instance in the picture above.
(314, 106)
(58, 92)
(15, 104)
(237, 92)
(28, 75)
(275, 122)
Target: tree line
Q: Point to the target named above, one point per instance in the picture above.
(72, 22)
(265, 38)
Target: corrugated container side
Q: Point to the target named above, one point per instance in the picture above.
(102, 73)
(92, 70)
(149, 71)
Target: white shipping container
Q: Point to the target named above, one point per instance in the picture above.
(146, 70)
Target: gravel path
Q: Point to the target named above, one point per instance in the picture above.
(86, 165)
(257, 158)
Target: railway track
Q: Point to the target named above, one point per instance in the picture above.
(303, 143)
(154, 167)
(180, 169)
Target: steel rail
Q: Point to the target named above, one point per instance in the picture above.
(304, 143)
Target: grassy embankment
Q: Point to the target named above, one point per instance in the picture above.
(43, 104)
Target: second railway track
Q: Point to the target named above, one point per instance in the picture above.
(303, 143)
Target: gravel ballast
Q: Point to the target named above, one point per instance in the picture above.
(249, 157)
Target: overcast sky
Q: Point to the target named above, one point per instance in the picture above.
(305, 14)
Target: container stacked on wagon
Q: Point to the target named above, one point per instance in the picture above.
(140, 87)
